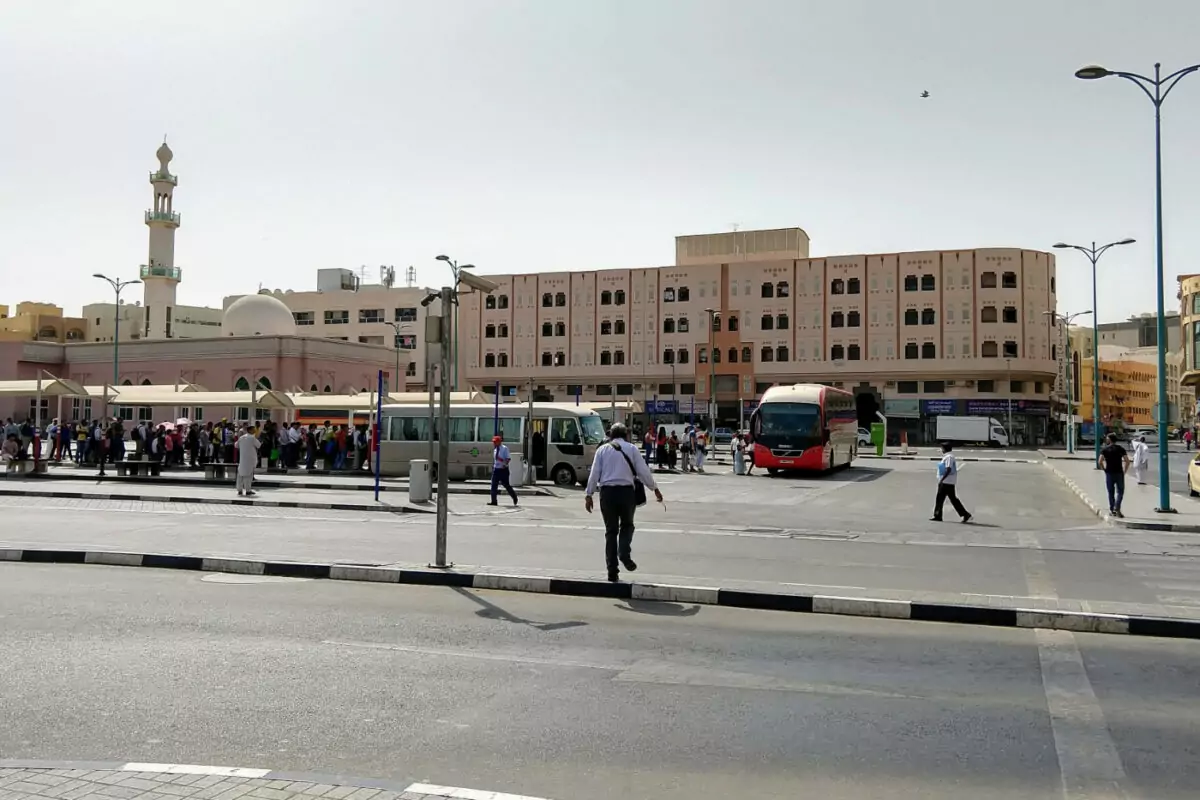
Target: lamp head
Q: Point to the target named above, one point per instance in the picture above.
(443, 258)
(1061, 245)
(1126, 241)
(1091, 72)
(98, 275)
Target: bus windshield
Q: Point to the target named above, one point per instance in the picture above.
(792, 425)
(593, 430)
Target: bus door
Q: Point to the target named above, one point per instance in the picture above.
(537, 446)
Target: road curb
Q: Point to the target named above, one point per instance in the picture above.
(223, 501)
(1102, 513)
(958, 457)
(961, 613)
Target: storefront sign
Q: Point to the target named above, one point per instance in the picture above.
(662, 407)
(749, 406)
(934, 407)
(999, 407)
(902, 408)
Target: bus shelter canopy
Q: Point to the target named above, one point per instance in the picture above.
(263, 398)
(50, 387)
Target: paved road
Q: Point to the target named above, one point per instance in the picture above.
(580, 699)
(858, 532)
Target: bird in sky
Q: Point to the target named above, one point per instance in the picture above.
(925, 93)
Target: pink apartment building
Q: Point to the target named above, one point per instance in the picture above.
(913, 335)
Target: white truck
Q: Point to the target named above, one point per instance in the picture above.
(971, 430)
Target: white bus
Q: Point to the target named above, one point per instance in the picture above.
(563, 439)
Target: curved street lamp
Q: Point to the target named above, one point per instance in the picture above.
(117, 284)
(1156, 89)
(455, 269)
(1066, 320)
(1093, 253)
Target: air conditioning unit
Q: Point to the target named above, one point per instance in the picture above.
(969, 384)
(949, 383)
(889, 385)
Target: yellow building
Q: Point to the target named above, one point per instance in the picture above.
(40, 322)
(1128, 390)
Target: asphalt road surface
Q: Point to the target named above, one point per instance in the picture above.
(578, 699)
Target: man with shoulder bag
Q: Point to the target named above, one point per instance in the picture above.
(622, 477)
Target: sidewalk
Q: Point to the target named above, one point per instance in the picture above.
(84, 780)
(1081, 475)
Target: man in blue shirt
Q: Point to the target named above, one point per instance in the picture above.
(500, 475)
(616, 469)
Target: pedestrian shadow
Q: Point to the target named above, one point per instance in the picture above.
(490, 610)
(658, 608)
(974, 524)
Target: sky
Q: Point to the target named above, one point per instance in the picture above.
(537, 135)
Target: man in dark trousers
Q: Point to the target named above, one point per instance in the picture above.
(948, 486)
(617, 466)
(501, 459)
(1114, 460)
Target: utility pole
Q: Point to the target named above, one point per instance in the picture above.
(443, 426)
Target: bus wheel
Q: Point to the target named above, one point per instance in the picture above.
(772, 471)
(563, 475)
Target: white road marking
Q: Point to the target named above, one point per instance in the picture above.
(195, 769)
(458, 793)
(478, 655)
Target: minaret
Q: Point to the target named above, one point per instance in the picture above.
(160, 276)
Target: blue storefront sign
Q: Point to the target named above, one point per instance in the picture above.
(934, 407)
(749, 406)
(662, 407)
(998, 407)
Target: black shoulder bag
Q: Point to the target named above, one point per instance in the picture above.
(639, 489)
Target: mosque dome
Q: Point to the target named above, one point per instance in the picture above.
(258, 315)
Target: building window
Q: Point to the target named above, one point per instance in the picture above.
(928, 284)
(560, 299)
(1051, 284)
(987, 387)
(733, 288)
(987, 314)
(503, 331)
(547, 301)
(989, 350)
(716, 323)
(560, 359)
(503, 302)
(687, 388)
(547, 329)
(684, 294)
(666, 388)
(547, 359)
(747, 354)
(501, 360)
(1009, 280)
(934, 387)
(605, 358)
(911, 317)
(928, 316)
(853, 353)
(782, 322)
(910, 283)
(853, 286)
(1016, 387)
(489, 360)
(303, 318)
(682, 325)
(560, 329)
(767, 322)
(907, 387)
(1010, 314)
(781, 353)
(668, 356)
(1010, 349)
(836, 320)
(604, 389)
(1038, 387)
(619, 327)
(683, 356)
(768, 290)
(605, 328)
(668, 295)
(767, 354)
(606, 298)
(853, 320)
(619, 297)
(836, 286)
(489, 332)
(668, 325)
(337, 317)
(716, 355)
(406, 315)
(702, 355)
(619, 357)
(911, 350)
(782, 289)
(928, 350)
(732, 323)
(836, 353)
(489, 302)
(733, 355)
(987, 280)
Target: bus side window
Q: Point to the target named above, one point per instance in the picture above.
(565, 430)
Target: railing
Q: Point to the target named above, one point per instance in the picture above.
(159, 175)
(159, 271)
(162, 216)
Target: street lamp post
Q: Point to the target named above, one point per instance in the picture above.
(396, 328)
(1066, 319)
(1008, 369)
(1093, 254)
(117, 284)
(455, 270)
(712, 370)
(1161, 86)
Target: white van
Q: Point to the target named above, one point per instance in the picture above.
(1150, 433)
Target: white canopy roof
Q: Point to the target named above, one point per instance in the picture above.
(263, 398)
(50, 387)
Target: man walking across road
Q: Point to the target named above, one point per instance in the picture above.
(948, 486)
(616, 470)
(1141, 459)
(1115, 463)
(501, 458)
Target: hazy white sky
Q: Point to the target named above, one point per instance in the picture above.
(530, 135)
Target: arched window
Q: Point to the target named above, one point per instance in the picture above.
(781, 353)
(503, 302)
(747, 354)
(684, 294)
(547, 329)
(768, 322)
(489, 332)
(781, 289)
(489, 302)
(606, 298)
(987, 280)
(560, 329)
(837, 286)
(701, 355)
(682, 325)
(547, 300)
(668, 325)
(668, 356)
(716, 322)
(911, 350)
(928, 283)
(264, 382)
(605, 328)
(837, 320)
(241, 385)
(732, 322)
(619, 357)
(853, 353)
(782, 322)
(766, 354)
(683, 356)
(328, 389)
(733, 355)
(768, 289)
(146, 382)
(560, 359)
(987, 314)
(716, 355)
(560, 299)
(313, 388)
(501, 360)
(619, 327)
(853, 320)
(668, 295)
(619, 297)
(910, 283)
(503, 331)
(837, 353)
(489, 360)
(547, 359)
(928, 316)
(911, 317)
(853, 286)
(1009, 280)
(605, 358)
(928, 350)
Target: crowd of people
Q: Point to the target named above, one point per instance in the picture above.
(329, 446)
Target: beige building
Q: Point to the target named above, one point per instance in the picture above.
(40, 322)
(912, 334)
(187, 322)
(345, 309)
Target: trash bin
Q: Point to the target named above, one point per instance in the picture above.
(420, 483)
(516, 470)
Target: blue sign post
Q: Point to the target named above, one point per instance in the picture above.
(377, 433)
(496, 412)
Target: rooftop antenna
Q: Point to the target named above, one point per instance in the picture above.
(387, 276)
(736, 249)
(410, 277)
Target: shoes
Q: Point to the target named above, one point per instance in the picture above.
(613, 576)
(1118, 514)
(629, 563)
(935, 519)
(493, 504)
(240, 494)
(966, 519)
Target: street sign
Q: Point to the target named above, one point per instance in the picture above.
(662, 406)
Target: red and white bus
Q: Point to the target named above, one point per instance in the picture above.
(804, 427)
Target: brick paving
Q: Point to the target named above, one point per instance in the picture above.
(118, 784)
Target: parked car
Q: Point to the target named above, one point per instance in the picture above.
(864, 438)
(1193, 477)
(722, 436)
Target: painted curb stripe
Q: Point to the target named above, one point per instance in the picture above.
(221, 501)
(1163, 527)
(963, 614)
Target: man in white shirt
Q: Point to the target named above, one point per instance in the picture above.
(947, 486)
(616, 468)
(500, 474)
(247, 455)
